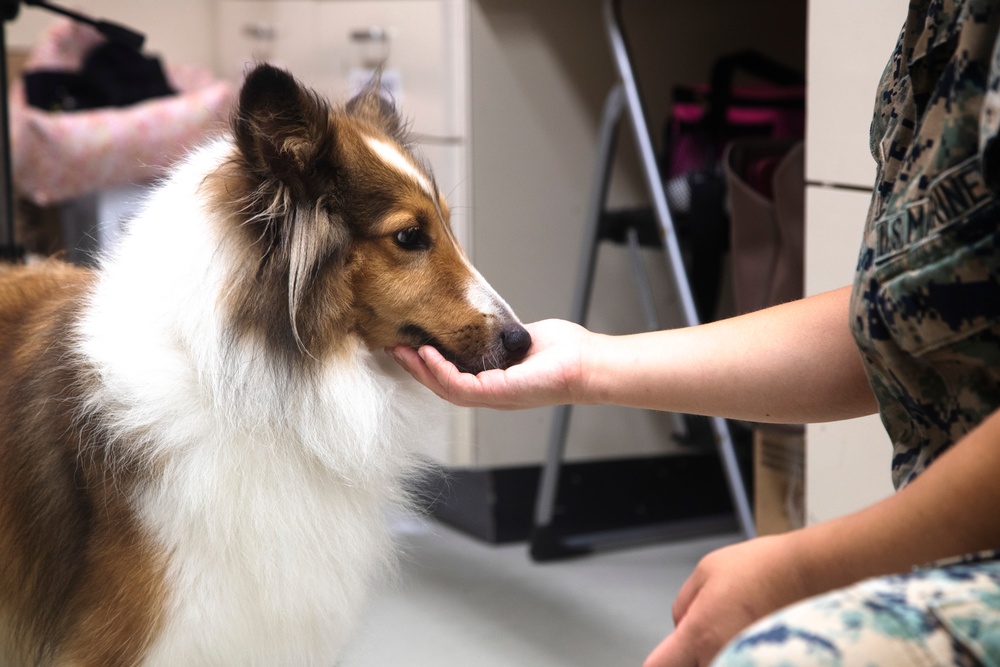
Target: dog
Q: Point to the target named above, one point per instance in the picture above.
(199, 438)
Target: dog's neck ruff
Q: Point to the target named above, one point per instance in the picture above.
(155, 331)
(259, 478)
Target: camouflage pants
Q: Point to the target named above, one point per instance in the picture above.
(944, 615)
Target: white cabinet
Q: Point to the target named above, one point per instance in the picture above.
(505, 97)
(331, 44)
(334, 46)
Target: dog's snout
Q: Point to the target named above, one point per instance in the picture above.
(516, 340)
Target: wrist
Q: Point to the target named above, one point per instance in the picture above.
(795, 569)
(813, 570)
(834, 554)
(620, 370)
(595, 372)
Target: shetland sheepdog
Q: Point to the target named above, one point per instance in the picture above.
(199, 439)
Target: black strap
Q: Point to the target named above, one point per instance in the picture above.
(724, 72)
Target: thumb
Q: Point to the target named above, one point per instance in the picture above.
(672, 652)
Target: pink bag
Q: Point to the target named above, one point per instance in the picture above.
(692, 142)
(704, 120)
(766, 181)
(61, 155)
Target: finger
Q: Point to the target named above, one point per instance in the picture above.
(409, 359)
(435, 360)
(672, 652)
(488, 389)
(685, 596)
(456, 385)
(406, 357)
(413, 364)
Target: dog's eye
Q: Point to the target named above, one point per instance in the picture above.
(411, 238)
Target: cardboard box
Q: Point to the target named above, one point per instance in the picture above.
(779, 475)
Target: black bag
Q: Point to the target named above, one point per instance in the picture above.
(112, 76)
(704, 120)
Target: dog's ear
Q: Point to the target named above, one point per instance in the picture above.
(373, 105)
(282, 128)
(285, 137)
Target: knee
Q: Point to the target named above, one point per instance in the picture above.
(780, 640)
(878, 622)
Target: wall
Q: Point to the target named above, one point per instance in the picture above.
(540, 74)
(179, 30)
(847, 463)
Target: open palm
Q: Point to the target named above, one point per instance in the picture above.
(549, 375)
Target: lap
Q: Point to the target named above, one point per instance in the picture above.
(948, 614)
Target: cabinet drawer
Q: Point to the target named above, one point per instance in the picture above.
(331, 44)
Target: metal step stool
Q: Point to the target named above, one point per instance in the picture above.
(546, 542)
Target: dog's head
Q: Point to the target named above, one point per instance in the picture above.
(342, 232)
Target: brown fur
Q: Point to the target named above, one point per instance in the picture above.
(75, 569)
(311, 221)
(316, 234)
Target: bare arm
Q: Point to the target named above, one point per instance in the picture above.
(793, 363)
(940, 514)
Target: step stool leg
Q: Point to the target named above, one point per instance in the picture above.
(544, 544)
(654, 182)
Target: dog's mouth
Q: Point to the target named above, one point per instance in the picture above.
(417, 336)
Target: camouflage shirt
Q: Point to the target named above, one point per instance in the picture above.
(926, 301)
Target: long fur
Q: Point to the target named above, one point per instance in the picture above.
(198, 441)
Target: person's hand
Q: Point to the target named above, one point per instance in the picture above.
(551, 374)
(730, 589)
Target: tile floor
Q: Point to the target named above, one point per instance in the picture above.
(459, 601)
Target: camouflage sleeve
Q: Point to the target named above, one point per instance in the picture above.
(989, 122)
(926, 315)
(926, 303)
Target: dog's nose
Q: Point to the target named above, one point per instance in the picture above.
(516, 340)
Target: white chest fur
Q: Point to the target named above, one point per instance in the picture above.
(270, 489)
(274, 526)
(271, 549)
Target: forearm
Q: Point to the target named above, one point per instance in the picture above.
(794, 363)
(949, 510)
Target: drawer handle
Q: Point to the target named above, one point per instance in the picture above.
(261, 31)
(373, 34)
